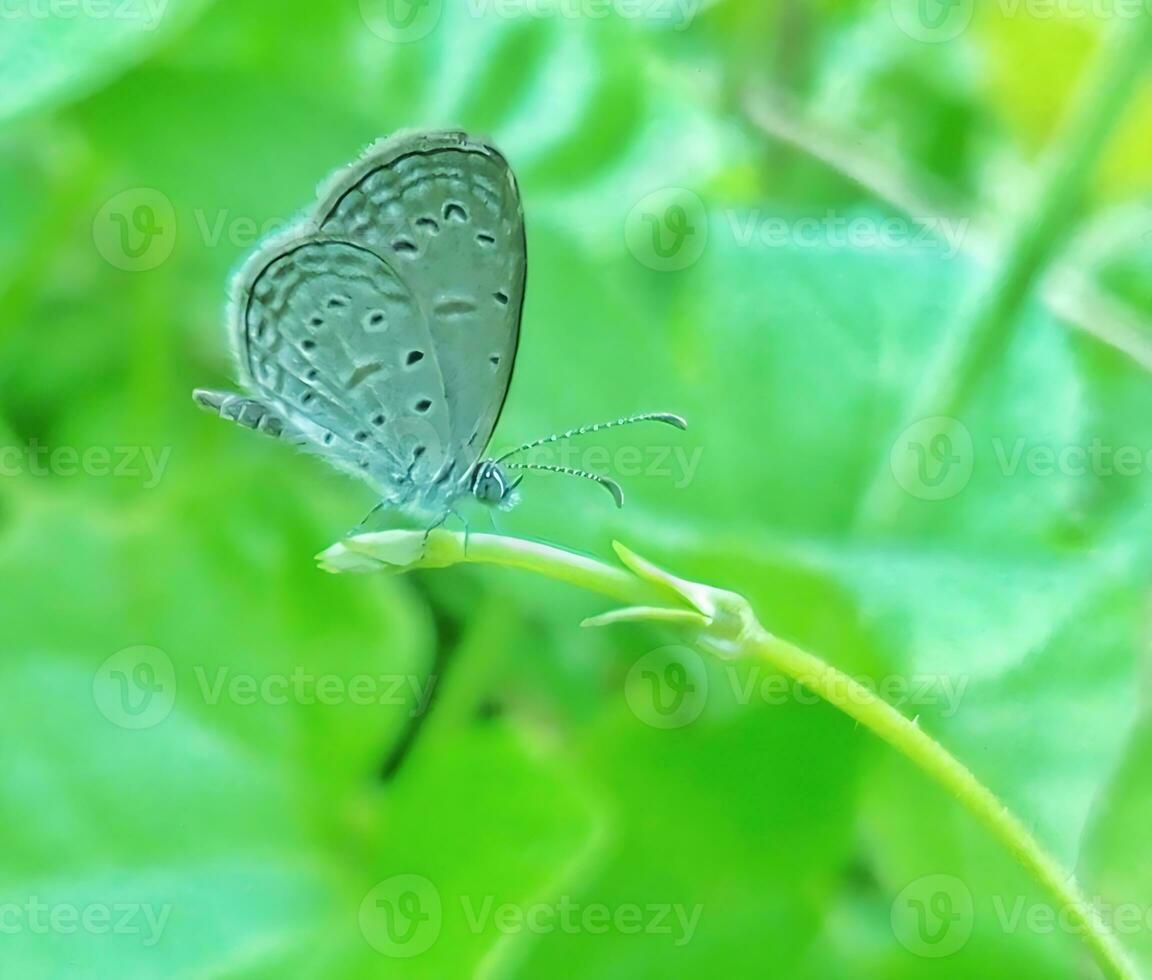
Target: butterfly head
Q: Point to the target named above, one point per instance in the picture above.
(490, 485)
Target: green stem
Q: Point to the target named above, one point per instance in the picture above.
(725, 626)
(982, 332)
(939, 764)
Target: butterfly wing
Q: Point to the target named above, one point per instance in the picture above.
(327, 327)
(445, 209)
(384, 328)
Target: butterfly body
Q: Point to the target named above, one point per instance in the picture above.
(380, 330)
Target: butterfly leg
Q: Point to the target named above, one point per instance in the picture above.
(364, 521)
(439, 523)
(464, 521)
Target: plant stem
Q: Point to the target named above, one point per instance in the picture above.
(983, 330)
(725, 626)
(939, 764)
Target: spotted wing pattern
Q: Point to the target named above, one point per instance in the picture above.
(446, 210)
(383, 330)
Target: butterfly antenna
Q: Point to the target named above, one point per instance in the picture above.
(610, 485)
(666, 417)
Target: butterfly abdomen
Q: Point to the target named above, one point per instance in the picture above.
(248, 412)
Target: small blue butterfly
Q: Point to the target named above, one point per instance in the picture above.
(380, 331)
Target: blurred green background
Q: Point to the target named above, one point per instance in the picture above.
(766, 216)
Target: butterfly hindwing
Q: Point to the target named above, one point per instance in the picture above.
(328, 333)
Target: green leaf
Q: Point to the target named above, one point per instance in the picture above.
(52, 53)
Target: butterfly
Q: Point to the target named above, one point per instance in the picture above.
(380, 331)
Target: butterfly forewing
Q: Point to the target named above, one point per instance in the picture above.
(445, 211)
